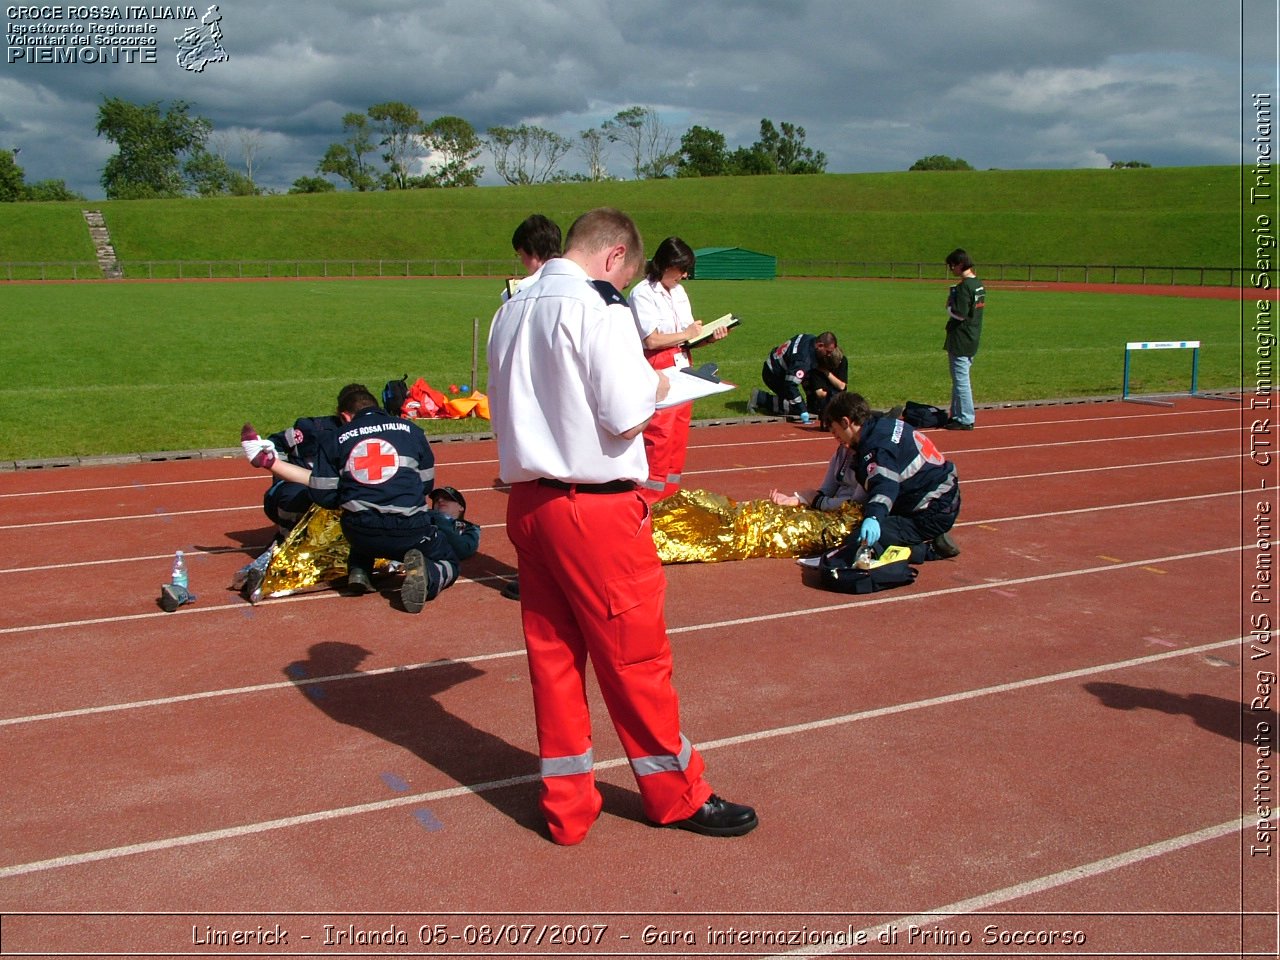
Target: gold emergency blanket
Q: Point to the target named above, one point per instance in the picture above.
(314, 553)
(697, 526)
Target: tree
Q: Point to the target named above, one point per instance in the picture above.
(212, 181)
(312, 185)
(12, 179)
(787, 149)
(702, 154)
(751, 162)
(151, 147)
(593, 146)
(250, 144)
(347, 159)
(14, 186)
(49, 190)
(400, 127)
(647, 140)
(940, 162)
(1128, 165)
(527, 154)
(208, 173)
(454, 146)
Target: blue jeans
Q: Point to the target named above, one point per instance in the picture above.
(961, 389)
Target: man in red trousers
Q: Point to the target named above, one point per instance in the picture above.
(570, 393)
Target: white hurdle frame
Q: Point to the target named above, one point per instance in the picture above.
(1140, 345)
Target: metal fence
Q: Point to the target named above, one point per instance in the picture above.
(389, 267)
(1020, 272)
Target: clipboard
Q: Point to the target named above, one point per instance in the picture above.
(728, 321)
(687, 386)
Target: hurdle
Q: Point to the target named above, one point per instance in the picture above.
(1192, 345)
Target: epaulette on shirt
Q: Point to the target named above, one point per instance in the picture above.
(609, 292)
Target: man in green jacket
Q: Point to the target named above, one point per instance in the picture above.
(965, 303)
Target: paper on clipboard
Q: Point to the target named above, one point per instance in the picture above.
(687, 386)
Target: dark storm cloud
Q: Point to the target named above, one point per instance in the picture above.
(1002, 83)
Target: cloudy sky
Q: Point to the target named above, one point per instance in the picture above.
(876, 84)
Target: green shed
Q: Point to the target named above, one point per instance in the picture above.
(733, 263)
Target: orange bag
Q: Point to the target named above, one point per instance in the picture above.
(424, 402)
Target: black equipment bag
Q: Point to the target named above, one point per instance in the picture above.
(394, 395)
(923, 416)
(836, 571)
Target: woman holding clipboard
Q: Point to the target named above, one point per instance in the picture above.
(664, 320)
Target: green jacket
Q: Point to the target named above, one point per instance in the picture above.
(965, 303)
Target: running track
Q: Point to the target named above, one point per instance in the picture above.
(1050, 733)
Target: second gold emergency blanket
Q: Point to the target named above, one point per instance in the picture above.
(697, 526)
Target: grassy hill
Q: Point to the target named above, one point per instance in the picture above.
(113, 368)
(1186, 216)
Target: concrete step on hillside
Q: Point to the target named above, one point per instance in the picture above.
(103, 250)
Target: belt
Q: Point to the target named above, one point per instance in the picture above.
(612, 486)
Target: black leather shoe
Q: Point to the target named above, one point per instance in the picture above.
(719, 818)
(414, 591)
(945, 547)
(358, 581)
(512, 590)
(957, 425)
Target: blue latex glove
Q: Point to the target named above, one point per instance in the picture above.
(869, 532)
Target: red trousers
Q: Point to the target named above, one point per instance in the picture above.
(592, 587)
(666, 441)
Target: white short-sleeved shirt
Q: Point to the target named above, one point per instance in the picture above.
(657, 309)
(567, 376)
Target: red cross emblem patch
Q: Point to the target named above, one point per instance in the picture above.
(373, 461)
(928, 450)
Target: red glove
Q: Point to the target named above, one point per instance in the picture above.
(261, 453)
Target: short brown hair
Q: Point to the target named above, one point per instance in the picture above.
(355, 397)
(606, 227)
(848, 406)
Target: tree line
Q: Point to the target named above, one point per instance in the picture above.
(167, 151)
(392, 147)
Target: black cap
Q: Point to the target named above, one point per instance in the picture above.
(450, 493)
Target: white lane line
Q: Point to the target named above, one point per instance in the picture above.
(154, 515)
(330, 594)
(691, 628)
(994, 898)
(164, 515)
(1111, 506)
(449, 465)
(970, 480)
(242, 606)
(889, 597)
(153, 485)
(320, 816)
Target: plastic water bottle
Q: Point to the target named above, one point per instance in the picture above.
(179, 577)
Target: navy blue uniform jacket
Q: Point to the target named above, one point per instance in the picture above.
(376, 465)
(902, 470)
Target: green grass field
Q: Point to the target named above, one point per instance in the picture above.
(102, 368)
(1177, 216)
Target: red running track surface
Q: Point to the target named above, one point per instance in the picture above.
(1043, 746)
